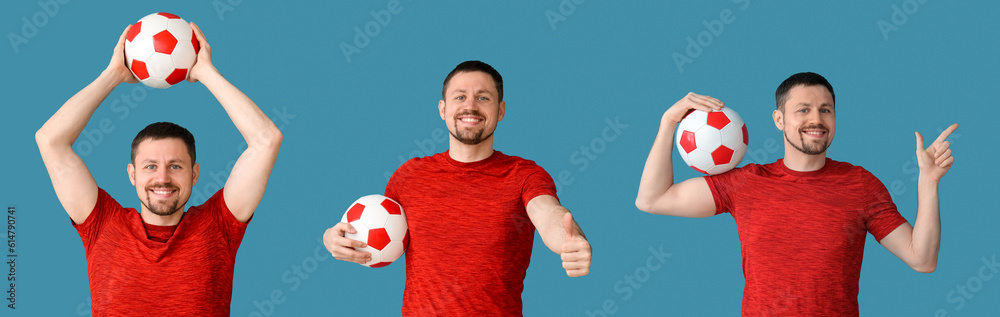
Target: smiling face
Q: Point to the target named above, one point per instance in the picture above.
(807, 119)
(163, 175)
(472, 107)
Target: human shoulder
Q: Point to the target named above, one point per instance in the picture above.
(752, 169)
(516, 162)
(850, 170)
(514, 159)
(419, 165)
(423, 161)
(215, 203)
(107, 210)
(107, 203)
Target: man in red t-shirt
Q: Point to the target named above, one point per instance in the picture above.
(802, 220)
(472, 212)
(161, 260)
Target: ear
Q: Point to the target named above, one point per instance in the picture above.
(503, 110)
(196, 169)
(441, 109)
(779, 120)
(131, 173)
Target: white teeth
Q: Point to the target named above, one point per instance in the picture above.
(469, 120)
(162, 192)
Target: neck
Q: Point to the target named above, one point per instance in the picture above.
(157, 220)
(801, 162)
(466, 153)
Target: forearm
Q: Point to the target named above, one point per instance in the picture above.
(552, 232)
(658, 174)
(256, 128)
(926, 237)
(247, 181)
(68, 122)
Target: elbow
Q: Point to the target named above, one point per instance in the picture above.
(276, 138)
(42, 138)
(651, 206)
(39, 136)
(643, 204)
(269, 138)
(925, 268)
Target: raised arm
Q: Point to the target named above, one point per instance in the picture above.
(561, 234)
(918, 245)
(74, 185)
(248, 179)
(657, 192)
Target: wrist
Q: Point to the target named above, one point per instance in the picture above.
(927, 182)
(668, 119)
(668, 125)
(207, 73)
(112, 77)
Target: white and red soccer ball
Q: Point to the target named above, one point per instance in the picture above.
(380, 223)
(712, 142)
(160, 49)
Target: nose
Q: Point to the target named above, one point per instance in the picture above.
(814, 117)
(468, 103)
(160, 175)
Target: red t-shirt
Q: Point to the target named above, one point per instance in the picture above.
(470, 236)
(140, 269)
(802, 234)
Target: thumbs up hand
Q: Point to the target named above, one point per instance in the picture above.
(576, 250)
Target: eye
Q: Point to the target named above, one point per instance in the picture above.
(460, 98)
(175, 167)
(483, 98)
(150, 167)
(826, 110)
(804, 110)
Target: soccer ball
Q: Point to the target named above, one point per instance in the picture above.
(381, 224)
(160, 49)
(712, 142)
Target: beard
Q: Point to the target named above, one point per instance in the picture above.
(473, 137)
(169, 207)
(810, 148)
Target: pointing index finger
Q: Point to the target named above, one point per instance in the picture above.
(944, 135)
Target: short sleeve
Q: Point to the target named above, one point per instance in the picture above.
(219, 212)
(104, 209)
(393, 188)
(537, 183)
(725, 185)
(881, 215)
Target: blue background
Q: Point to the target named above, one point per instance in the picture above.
(349, 121)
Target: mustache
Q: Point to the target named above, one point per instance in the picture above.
(468, 112)
(815, 126)
(162, 185)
